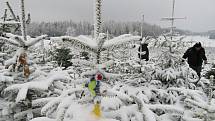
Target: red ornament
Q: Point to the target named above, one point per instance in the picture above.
(99, 76)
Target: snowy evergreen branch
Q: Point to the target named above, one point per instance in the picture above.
(88, 43)
(120, 41)
(9, 41)
(42, 101)
(124, 113)
(167, 108)
(20, 115)
(35, 40)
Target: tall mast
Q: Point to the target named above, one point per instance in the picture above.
(172, 19)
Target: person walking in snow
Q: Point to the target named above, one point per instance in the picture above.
(195, 56)
(143, 52)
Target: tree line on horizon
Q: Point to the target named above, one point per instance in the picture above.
(113, 28)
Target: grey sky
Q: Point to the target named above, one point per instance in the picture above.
(200, 13)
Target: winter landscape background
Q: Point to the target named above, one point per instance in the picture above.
(46, 66)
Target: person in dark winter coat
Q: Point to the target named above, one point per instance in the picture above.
(196, 56)
(143, 52)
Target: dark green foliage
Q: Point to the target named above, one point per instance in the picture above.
(5, 28)
(211, 72)
(1, 46)
(63, 56)
(85, 55)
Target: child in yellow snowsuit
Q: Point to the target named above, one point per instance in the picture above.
(94, 87)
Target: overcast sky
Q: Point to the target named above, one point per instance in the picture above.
(200, 13)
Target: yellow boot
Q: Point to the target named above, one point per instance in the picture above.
(97, 110)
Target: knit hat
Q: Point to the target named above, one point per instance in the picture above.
(198, 44)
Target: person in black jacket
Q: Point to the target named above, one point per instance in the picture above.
(196, 56)
(143, 52)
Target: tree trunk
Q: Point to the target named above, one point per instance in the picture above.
(97, 17)
(23, 20)
(98, 57)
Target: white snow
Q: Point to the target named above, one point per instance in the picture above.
(42, 119)
(9, 22)
(206, 42)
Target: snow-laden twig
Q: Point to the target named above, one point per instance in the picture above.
(32, 42)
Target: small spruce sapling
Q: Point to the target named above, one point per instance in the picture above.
(63, 57)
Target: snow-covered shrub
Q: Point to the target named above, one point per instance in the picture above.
(171, 54)
(42, 85)
(210, 72)
(5, 80)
